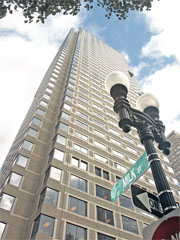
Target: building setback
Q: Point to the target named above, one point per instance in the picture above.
(174, 157)
(70, 152)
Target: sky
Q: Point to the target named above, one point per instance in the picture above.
(149, 40)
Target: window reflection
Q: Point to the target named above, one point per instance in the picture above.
(105, 215)
(126, 202)
(130, 224)
(103, 193)
(49, 196)
(2, 228)
(14, 179)
(54, 173)
(104, 237)
(43, 224)
(21, 160)
(6, 201)
(77, 206)
(74, 232)
(78, 183)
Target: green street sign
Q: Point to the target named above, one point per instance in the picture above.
(131, 176)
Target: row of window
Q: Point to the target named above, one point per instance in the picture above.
(100, 124)
(21, 160)
(45, 224)
(75, 205)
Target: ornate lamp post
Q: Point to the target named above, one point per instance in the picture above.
(149, 127)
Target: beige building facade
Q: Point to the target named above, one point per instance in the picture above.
(70, 152)
(174, 157)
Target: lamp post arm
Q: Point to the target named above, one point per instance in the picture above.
(149, 129)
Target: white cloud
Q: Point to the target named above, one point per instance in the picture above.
(165, 85)
(26, 52)
(163, 21)
(96, 30)
(126, 56)
(136, 70)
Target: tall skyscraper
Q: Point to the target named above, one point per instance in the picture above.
(70, 152)
(174, 157)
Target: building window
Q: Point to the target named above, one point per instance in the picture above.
(117, 179)
(82, 106)
(6, 201)
(57, 154)
(78, 183)
(100, 158)
(49, 196)
(47, 97)
(2, 228)
(130, 224)
(128, 139)
(60, 139)
(132, 160)
(113, 131)
(83, 125)
(40, 112)
(81, 149)
(83, 99)
(80, 135)
(69, 99)
(54, 173)
(170, 169)
(77, 206)
(14, 179)
(49, 90)
(68, 91)
(98, 171)
(151, 181)
(97, 107)
(131, 150)
(63, 127)
(78, 163)
(67, 107)
(27, 145)
(36, 121)
(97, 114)
(126, 202)
(83, 92)
(118, 166)
(51, 84)
(42, 103)
(117, 153)
(112, 123)
(175, 181)
(104, 237)
(82, 115)
(75, 232)
(65, 116)
(115, 142)
(21, 160)
(32, 132)
(70, 85)
(105, 175)
(43, 224)
(98, 123)
(98, 144)
(103, 193)
(100, 134)
(105, 215)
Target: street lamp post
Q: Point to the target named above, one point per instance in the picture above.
(149, 127)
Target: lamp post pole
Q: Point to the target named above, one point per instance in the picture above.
(149, 129)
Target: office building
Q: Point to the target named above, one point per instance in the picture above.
(70, 152)
(174, 157)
